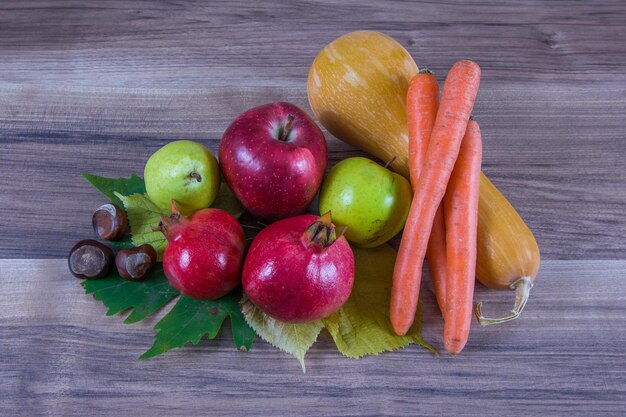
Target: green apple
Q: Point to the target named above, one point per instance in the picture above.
(369, 199)
(184, 171)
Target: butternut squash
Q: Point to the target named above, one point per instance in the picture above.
(357, 88)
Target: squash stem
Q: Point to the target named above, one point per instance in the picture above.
(522, 289)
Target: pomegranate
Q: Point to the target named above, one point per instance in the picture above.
(204, 253)
(298, 270)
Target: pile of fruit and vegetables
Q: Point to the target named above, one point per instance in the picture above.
(246, 239)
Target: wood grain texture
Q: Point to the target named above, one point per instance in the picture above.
(565, 356)
(98, 86)
(192, 44)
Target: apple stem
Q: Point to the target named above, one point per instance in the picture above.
(195, 176)
(390, 162)
(283, 132)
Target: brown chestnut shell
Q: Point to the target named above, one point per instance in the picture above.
(90, 259)
(109, 222)
(135, 264)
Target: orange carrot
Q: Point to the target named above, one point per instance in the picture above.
(421, 112)
(422, 100)
(457, 101)
(461, 202)
(436, 257)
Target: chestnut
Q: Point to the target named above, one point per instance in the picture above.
(109, 222)
(135, 264)
(90, 259)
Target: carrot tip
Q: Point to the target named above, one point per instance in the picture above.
(454, 347)
(400, 330)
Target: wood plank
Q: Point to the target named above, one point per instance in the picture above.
(97, 86)
(62, 356)
(543, 148)
(93, 86)
(186, 45)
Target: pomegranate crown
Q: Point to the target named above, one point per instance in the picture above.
(168, 225)
(322, 232)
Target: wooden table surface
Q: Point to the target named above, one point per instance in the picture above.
(98, 86)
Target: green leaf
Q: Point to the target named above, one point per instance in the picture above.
(143, 215)
(191, 319)
(362, 327)
(124, 243)
(295, 339)
(144, 297)
(108, 186)
(226, 200)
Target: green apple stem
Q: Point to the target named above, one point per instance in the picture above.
(390, 162)
(195, 176)
(283, 132)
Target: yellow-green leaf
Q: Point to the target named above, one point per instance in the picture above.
(362, 327)
(295, 339)
(143, 215)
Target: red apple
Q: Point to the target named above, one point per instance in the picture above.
(273, 157)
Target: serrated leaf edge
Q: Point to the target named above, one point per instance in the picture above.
(245, 302)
